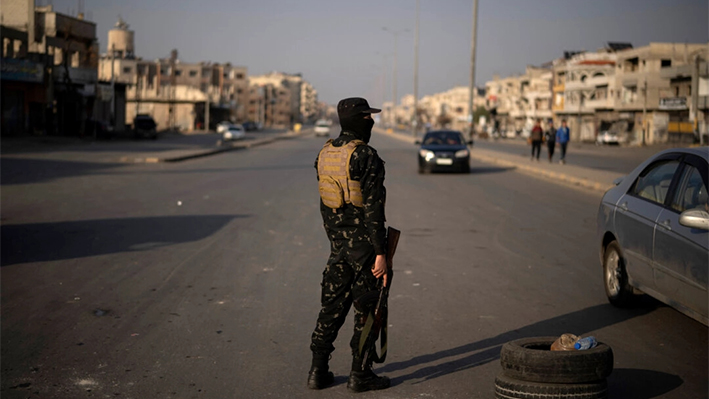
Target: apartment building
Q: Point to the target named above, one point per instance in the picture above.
(503, 99)
(308, 102)
(450, 108)
(302, 97)
(49, 74)
(685, 102)
(583, 91)
(536, 97)
(644, 80)
(178, 95)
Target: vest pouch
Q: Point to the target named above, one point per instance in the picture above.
(331, 192)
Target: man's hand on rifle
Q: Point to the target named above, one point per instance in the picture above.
(380, 268)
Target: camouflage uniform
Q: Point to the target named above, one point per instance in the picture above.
(356, 236)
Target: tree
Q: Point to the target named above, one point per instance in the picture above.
(481, 111)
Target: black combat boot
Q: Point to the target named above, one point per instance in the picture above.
(319, 376)
(364, 379)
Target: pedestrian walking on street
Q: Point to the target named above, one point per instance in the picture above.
(562, 137)
(352, 198)
(550, 137)
(537, 136)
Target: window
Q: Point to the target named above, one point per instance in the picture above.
(691, 193)
(654, 182)
(666, 63)
(676, 91)
(127, 69)
(193, 73)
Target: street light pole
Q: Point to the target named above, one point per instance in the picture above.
(415, 122)
(644, 110)
(394, 77)
(472, 69)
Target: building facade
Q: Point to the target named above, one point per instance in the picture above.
(49, 70)
(178, 95)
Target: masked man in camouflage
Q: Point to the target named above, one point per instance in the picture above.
(352, 197)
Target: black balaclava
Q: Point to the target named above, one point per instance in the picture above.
(358, 125)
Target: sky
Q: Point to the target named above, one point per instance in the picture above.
(343, 50)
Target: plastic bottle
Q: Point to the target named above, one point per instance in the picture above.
(585, 343)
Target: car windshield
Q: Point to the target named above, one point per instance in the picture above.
(442, 138)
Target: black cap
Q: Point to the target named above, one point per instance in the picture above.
(353, 106)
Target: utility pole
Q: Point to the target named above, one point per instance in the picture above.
(415, 123)
(472, 69)
(206, 108)
(644, 110)
(695, 96)
(394, 78)
(112, 115)
(171, 91)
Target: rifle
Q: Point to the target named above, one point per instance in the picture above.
(377, 322)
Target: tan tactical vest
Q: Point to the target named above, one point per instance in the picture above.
(335, 186)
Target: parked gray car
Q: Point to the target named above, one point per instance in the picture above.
(653, 232)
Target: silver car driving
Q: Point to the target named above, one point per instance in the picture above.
(653, 232)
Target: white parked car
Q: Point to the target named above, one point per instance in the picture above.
(607, 138)
(234, 132)
(224, 126)
(322, 127)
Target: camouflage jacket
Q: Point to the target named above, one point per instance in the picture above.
(366, 223)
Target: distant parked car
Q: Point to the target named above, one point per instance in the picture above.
(250, 126)
(234, 132)
(322, 127)
(444, 150)
(653, 232)
(223, 126)
(607, 137)
(144, 126)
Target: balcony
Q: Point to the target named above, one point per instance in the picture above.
(597, 81)
(602, 103)
(675, 72)
(575, 85)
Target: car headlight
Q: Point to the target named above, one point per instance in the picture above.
(462, 153)
(427, 155)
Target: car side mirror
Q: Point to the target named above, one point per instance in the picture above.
(695, 218)
(417, 142)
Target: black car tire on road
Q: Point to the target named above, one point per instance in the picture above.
(615, 277)
(532, 360)
(510, 388)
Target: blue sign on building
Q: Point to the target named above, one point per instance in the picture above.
(21, 70)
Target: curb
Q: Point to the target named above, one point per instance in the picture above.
(556, 177)
(551, 176)
(206, 153)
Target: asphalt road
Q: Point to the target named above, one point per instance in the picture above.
(200, 279)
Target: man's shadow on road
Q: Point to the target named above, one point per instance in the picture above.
(581, 322)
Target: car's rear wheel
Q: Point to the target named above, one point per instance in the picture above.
(615, 276)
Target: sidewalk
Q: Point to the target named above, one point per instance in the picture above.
(592, 179)
(167, 148)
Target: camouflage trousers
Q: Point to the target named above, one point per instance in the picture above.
(347, 276)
